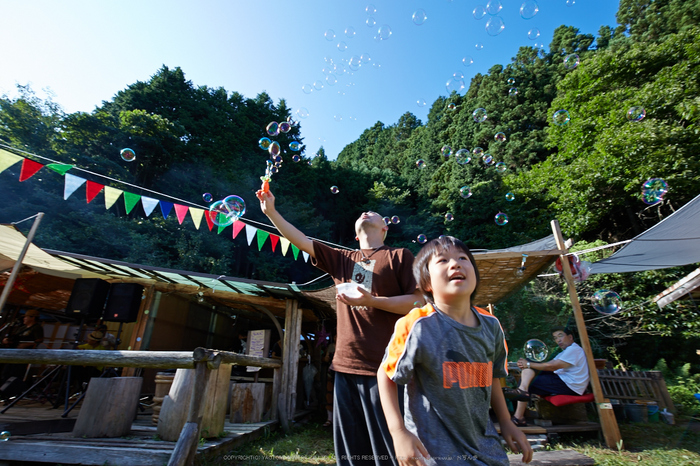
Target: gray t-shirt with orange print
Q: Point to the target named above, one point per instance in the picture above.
(448, 370)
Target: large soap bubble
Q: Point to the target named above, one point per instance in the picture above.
(654, 190)
(493, 7)
(227, 211)
(636, 114)
(535, 350)
(606, 302)
(480, 115)
(128, 155)
(479, 12)
(465, 192)
(463, 156)
(495, 26)
(501, 219)
(422, 238)
(529, 9)
(571, 61)
(561, 117)
(264, 143)
(446, 151)
(419, 17)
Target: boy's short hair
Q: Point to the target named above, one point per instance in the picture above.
(435, 246)
(566, 330)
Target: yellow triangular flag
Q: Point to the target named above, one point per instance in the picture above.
(7, 159)
(284, 244)
(111, 196)
(196, 215)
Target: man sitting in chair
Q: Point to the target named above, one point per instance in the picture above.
(566, 374)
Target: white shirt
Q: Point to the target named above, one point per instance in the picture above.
(575, 377)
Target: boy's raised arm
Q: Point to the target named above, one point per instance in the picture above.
(289, 231)
(408, 448)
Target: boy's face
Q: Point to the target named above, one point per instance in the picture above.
(451, 274)
(370, 219)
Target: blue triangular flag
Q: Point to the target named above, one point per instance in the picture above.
(166, 207)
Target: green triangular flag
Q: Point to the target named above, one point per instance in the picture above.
(223, 226)
(262, 237)
(295, 250)
(130, 200)
(60, 168)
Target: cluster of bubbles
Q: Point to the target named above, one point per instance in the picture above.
(535, 350)
(128, 155)
(226, 211)
(606, 302)
(392, 220)
(654, 190)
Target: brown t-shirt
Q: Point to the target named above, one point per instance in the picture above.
(363, 333)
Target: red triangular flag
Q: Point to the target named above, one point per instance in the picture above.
(207, 216)
(29, 168)
(237, 227)
(92, 189)
(274, 239)
(181, 211)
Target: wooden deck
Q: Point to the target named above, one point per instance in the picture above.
(39, 434)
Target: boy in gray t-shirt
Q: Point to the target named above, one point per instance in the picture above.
(450, 356)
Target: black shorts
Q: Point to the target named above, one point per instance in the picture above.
(548, 383)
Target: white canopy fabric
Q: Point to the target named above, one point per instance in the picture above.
(11, 244)
(673, 242)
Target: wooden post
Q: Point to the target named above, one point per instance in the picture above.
(140, 327)
(290, 355)
(18, 263)
(109, 407)
(611, 431)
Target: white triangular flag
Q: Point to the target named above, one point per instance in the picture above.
(250, 232)
(306, 256)
(72, 183)
(148, 204)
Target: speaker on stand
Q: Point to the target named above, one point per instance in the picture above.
(123, 304)
(87, 300)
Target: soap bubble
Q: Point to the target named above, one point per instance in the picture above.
(535, 350)
(370, 22)
(273, 128)
(487, 159)
(465, 192)
(513, 91)
(451, 106)
(370, 9)
(335, 190)
(5, 436)
(529, 9)
(501, 219)
(419, 17)
(446, 151)
(421, 102)
(571, 61)
(606, 302)
(479, 115)
(420, 163)
(479, 46)
(285, 126)
(342, 46)
(350, 32)
(296, 158)
(307, 88)
(462, 156)
(331, 80)
(395, 219)
(654, 190)
(533, 34)
(500, 137)
(510, 197)
(318, 85)
(128, 155)
(477, 151)
(501, 167)
(455, 85)
(495, 26)
(422, 238)
(511, 81)
(384, 32)
(207, 197)
(493, 7)
(449, 217)
(467, 61)
(302, 113)
(570, 2)
(227, 211)
(354, 63)
(479, 12)
(329, 35)
(274, 148)
(636, 114)
(387, 220)
(561, 117)
(295, 146)
(264, 143)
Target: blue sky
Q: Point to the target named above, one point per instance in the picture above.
(84, 52)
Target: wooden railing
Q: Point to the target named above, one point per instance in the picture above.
(202, 360)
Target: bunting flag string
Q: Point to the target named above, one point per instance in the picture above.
(92, 189)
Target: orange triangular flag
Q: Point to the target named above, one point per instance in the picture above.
(274, 239)
(92, 189)
(29, 168)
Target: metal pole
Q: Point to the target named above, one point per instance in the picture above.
(18, 264)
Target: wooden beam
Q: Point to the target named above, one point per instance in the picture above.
(611, 431)
(116, 358)
(478, 256)
(140, 326)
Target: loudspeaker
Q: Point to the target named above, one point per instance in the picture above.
(88, 298)
(123, 302)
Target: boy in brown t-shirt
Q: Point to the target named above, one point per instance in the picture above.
(365, 325)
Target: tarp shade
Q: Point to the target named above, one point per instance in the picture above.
(673, 242)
